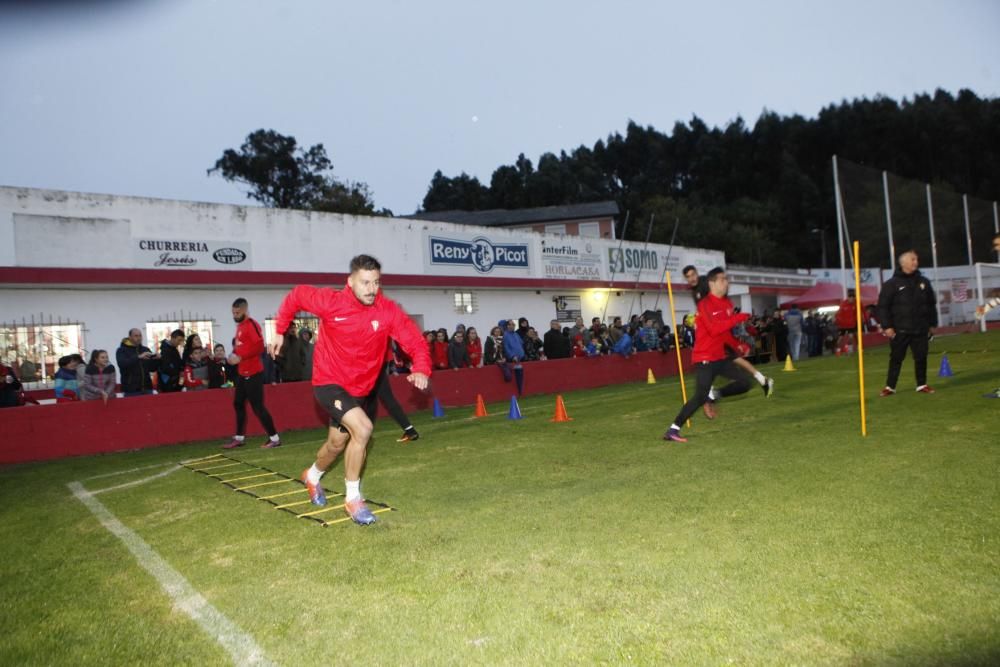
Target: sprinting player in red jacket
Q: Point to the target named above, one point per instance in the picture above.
(248, 345)
(716, 318)
(699, 290)
(356, 324)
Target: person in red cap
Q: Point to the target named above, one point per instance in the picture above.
(356, 324)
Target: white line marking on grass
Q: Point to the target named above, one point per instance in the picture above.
(125, 472)
(138, 481)
(241, 646)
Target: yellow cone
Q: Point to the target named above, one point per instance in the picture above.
(788, 364)
(650, 378)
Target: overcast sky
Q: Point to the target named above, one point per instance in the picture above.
(140, 98)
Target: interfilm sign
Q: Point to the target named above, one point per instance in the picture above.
(190, 254)
(478, 253)
(571, 259)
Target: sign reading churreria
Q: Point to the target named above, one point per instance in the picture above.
(478, 253)
(190, 254)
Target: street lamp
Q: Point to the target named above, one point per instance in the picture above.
(822, 241)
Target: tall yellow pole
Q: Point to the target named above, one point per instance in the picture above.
(861, 345)
(677, 342)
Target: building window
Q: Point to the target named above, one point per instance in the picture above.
(307, 320)
(34, 349)
(555, 229)
(160, 330)
(590, 229)
(465, 303)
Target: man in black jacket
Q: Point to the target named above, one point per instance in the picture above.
(908, 310)
(555, 344)
(135, 363)
(171, 365)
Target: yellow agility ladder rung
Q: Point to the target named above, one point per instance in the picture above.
(203, 459)
(286, 493)
(228, 465)
(320, 511)
(297, 502)
(254, 486)
(347, 518)
(237, 479)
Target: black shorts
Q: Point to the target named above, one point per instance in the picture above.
(336, 401)
(846, 332)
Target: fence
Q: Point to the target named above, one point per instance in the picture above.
(888, 214)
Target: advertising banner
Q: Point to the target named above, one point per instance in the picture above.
(572, 259)
(476, 254)
(190, 254)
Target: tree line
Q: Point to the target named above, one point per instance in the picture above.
(762, 194)
(758, 193)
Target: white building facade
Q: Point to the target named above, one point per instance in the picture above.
(77, 271)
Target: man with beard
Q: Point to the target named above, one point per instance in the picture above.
(248, 346)
(356, 323)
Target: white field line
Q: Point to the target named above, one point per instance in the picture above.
(242, 647)
(138, 481)
(125, 472)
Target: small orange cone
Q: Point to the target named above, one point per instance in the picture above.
(480, 406)
(561, 415)
(650, 378)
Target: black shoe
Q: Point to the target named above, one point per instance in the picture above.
(409, 435)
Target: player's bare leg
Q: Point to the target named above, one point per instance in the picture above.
(359, 427)
(336, 442)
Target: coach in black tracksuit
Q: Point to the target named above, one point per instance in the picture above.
(908, 309)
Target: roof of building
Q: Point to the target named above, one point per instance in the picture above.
(500, 217)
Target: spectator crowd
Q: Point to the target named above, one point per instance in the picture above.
(182, 362)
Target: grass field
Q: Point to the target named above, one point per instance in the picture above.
(777, 535)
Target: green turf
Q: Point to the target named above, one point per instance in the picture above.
(777, 535)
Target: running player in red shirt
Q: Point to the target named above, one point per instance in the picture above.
(356, 324)
(699, 290)
(716, 317)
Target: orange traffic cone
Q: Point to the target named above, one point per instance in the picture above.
(480, 406)
(561, 415)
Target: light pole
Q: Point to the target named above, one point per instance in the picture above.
(822, 241)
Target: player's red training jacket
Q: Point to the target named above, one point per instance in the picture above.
(713, 334)
(352, 345)
(847, 315)
(249, 345)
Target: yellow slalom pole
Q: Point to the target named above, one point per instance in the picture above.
(677, 342)
(861, 346)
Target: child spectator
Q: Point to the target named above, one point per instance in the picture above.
(99, 378)
(475, 347)
(439, 350)
(196, 370)
(67, 382)
(579, 349)
(458, 355)
(219, 370)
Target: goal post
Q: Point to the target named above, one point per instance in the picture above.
(987, 287)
